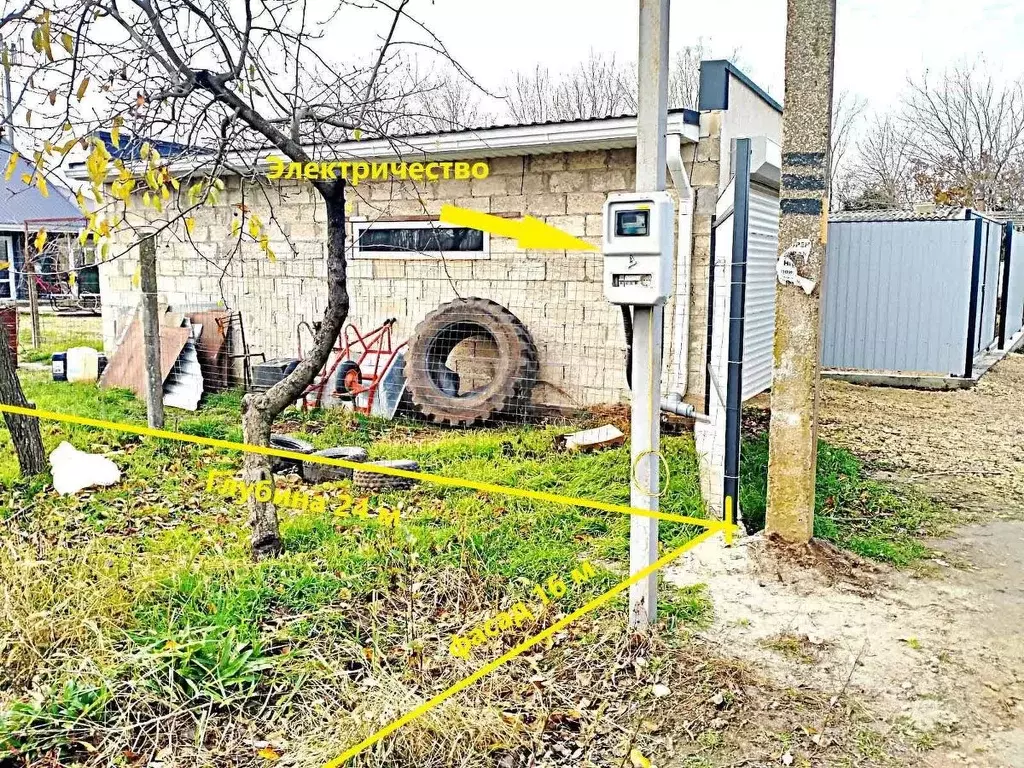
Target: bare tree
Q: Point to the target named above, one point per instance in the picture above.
(884, 169)
(847, 110)
(967, 132)
(597, 87)
(449, 103)
(229, 78)
(601, 86)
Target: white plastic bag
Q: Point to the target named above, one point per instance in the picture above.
(74, 470)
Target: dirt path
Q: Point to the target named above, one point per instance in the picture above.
(964, 447)
(937, 659)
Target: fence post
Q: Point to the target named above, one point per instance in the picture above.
(972, 304)
(33, 295)
(1004, 288)
(737, 315)
(151, 331)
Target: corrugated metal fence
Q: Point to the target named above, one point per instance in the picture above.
(898, 295)
(1014, 284)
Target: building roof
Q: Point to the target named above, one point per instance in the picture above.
(130, 146)
(920, 213)
(495, 141)
(20, 202)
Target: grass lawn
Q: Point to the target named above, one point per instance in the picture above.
(59, 333)
(133, 622)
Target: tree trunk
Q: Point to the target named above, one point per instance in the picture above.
(28, 443)
(260, 409)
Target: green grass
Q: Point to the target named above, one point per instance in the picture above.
(883, 521)
(150, 587)
(59, 333)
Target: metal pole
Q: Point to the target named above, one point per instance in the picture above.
(151, 332)
(648, 322)
(737, 312)
(9, 102)
(33, 291)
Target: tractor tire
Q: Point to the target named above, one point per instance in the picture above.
(313, 472)
(366, 481)
(282, 464)
(433, 387)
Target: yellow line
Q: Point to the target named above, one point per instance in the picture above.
(728, 520)
(422, 476)
(526, 645)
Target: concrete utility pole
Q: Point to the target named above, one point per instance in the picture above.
(803, 228)
(151, 332)
(648, 322)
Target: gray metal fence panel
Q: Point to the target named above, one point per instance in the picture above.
(896, 296)
(1015, 286)
(988, 286)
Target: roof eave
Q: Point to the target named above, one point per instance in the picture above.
(549, 138)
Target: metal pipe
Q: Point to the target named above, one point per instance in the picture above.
(681, 324)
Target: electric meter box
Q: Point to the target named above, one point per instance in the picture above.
(638, 246)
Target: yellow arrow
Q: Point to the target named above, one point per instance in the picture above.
(528, 232)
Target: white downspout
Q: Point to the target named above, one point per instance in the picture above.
(681, 324)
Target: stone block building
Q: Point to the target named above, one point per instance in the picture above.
(560, 172)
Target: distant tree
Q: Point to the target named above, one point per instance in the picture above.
(847, 111)
(966, 132)
(601, 86)
(884, 170)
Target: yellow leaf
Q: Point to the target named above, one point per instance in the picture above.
(40, 240)
(11, 165)
(357, 134)
(80, 93)
(80, 199)
(4, 264)
(270, 255)
(235, 227)
(83, 236)
(269, 753)
(26, 178)
(68, 42)
(136, 279)
(41, 185)
(144, 150)
(636, 757)
(72, 279)
(67, 126)
(115, 131)
(190, 224)
(104, 251)
(145, 199)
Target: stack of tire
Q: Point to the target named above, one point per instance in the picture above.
(433, 388)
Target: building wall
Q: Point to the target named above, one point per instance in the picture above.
(558, 295)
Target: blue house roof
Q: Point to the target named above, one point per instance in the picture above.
(20, 202)
(131, 145)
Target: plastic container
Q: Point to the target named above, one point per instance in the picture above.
(83, 364)
(59, 366)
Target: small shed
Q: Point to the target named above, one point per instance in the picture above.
(919, 296)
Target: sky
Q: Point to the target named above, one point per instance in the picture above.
(878, 42)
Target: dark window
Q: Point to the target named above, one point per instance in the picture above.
(412, 239)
